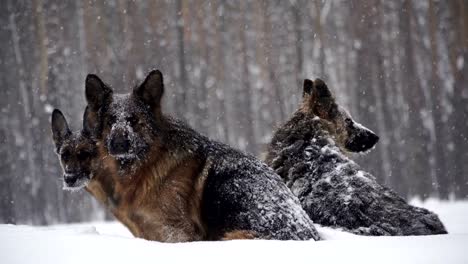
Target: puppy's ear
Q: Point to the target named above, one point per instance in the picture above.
(96, 91)
(307, 87)
(60, 130)
(90, 123)
(151, 90)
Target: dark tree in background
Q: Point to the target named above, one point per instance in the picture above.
(233, 70)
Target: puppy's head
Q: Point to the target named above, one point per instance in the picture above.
(77, 152)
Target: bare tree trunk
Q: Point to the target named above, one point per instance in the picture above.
(26, 113)
(297, 18)
(437, 99)
(416, 138)
(458, 61)
(246, 90)
(319, 17)
(182, 86)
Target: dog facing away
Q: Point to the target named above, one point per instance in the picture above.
(175, 185)
(309, 153)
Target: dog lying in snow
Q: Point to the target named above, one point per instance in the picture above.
(309, 153)
(165, 181)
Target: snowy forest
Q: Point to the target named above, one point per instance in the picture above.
(234, 71)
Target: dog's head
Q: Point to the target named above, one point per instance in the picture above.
(128, 124)
(77, 151)
(350, 135)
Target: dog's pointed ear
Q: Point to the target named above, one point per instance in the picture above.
(60, 128)
(96, 91)
(307, 87)
(151, 89)
(89, 123)
(321, 89)
(320, 100)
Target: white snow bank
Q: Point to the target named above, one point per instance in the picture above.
(112, 243)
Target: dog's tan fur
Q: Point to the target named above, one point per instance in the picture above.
(238, 235)
(152, 200)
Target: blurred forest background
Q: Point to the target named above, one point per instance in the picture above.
(234, 71)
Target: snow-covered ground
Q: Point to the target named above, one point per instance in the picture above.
(112, 243)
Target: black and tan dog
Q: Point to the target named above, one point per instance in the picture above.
(83, 163)
(170, 183)
(309, 152)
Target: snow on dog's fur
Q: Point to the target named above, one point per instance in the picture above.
(309, 153)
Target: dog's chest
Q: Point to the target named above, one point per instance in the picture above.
(163, 208)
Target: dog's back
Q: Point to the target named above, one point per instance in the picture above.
(241, 193)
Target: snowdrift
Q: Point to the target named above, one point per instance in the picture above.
(112, 243)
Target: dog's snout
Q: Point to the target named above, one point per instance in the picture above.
(362, 141)
(70, 179)
(119, 145)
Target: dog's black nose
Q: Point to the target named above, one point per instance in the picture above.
(70, 179)
(119, 145)
(364, 140)
(374, 139)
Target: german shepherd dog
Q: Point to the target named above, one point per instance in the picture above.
(173, 184)
(77, 152)
(80, 158)
(310, 153)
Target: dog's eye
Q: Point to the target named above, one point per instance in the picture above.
(349, 121)
(65, 155)
(332, 113)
